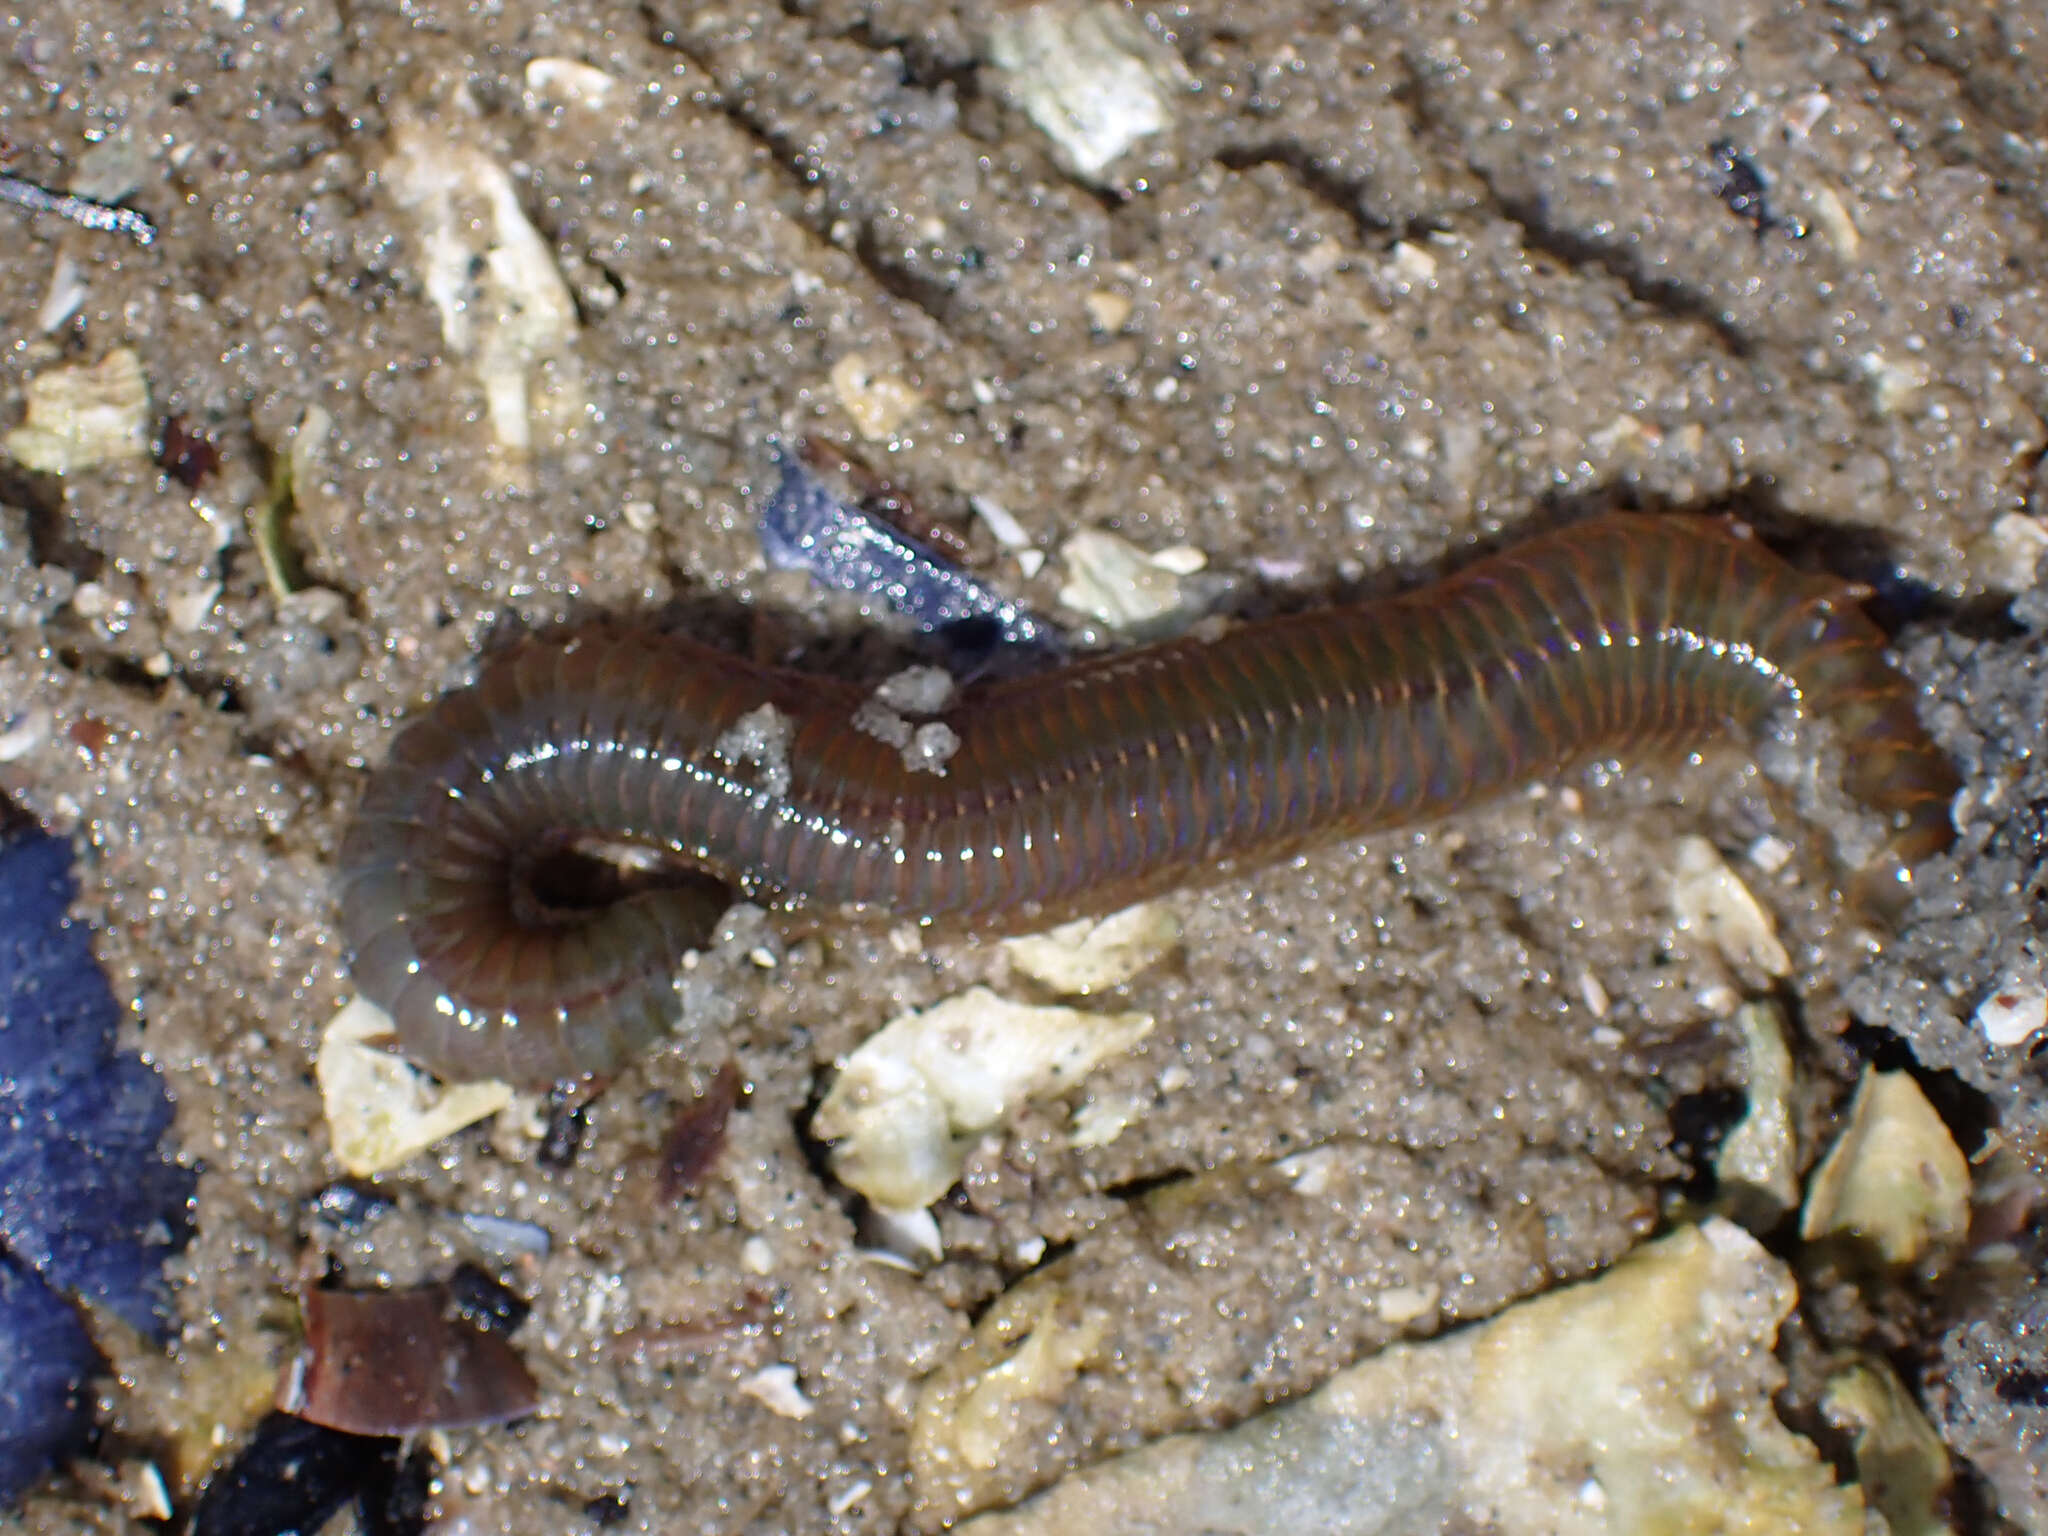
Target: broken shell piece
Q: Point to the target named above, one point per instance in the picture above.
(22, 734)
(879, 404)
(1640, 1401)
(568, 81)
(67, 293)
(1770, 854)
(398, 1362)
(1757, 1169)
(1077, 958)
(1001, 522)
(1710, 899)
(1108, 312)
(1101, 1120)
(187, 606)
(775, 1388)
(504, 304)
(1403, 1304)
(282, 567)
(1090, 78)
(2013, 1014)
(504, 1240)
(912, 1236)
(1900, 1460)
(975, 1420)
(1894, 1177)
(910, 1099)
(1111, 579)
(1831, 216)
(381, 1111)
(79, 417)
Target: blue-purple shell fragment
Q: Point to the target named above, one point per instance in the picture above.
(89, 1204)
(806, 527)
(46, 1369)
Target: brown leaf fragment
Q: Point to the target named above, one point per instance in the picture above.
(397, 1362)
(698, 1135)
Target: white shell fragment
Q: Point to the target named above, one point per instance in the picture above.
(2014, 1014)
(66, 294)
(912, 1235)
(1001, 521)
(1894, 1177)
(1770, 854)
(83, 416)
(22, 734)
(1090, 78)
(1077, 958)
(503, 303)
(568, 82)
(1895, 383)
(1403, 1304)
(187, 605)
(908, 1102)
(1108, 312)
(1831, 216)
(1640, 1401)
(381, 1111)
(1711, 900)
(880, 404)
(1101, 1120)
(774, 1387)
(1757, 1169)
(1111, 579)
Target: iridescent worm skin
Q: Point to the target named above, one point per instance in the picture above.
(1077, 790)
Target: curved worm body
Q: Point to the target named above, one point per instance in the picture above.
(1080, 789)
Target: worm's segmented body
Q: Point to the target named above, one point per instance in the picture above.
(1080, 789)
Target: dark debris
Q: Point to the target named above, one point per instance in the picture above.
(485, 1302)
(294, 1476)
(188, 456)
(1742, 186)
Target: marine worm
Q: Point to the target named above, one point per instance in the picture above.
(1079, 789)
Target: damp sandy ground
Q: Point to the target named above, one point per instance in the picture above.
(1389, 281)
